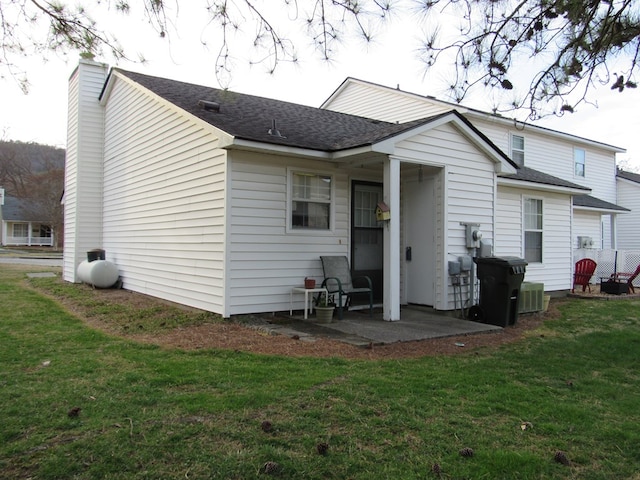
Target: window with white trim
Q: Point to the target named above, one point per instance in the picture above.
(21, 230)
(579, 157)
(311, 196)
(517, 149)
(533, 223)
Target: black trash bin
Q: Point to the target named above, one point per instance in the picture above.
(500, 280)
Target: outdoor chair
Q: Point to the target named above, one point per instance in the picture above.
(338, 281)
(585, 269)
(633, 276)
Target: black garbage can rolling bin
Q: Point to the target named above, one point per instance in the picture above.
(500, 281)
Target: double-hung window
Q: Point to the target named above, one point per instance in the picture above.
(533, 230)
(517, 149)
(311, 195)
(579, 162)
(21, 230)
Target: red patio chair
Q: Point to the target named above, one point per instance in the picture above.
(585, 269)
(632, 278)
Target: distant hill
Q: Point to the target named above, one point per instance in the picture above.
(21, 163)
(41, 157)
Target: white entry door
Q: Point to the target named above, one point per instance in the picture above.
(420, 245)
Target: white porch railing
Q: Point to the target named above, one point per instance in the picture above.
(610, 261)
(30, 242)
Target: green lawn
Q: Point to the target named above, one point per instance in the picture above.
(148, 412)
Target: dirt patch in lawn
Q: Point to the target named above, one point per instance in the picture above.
(253, 333)
(243, 338)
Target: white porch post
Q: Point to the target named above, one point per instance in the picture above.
(391, 276)
(614, 230)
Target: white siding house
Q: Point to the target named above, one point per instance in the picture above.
(163, 199)
(20, 226)
(198, 196)
(571, 178)
(629, 197)
(225, 202)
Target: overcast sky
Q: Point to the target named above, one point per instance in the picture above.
(41, 115)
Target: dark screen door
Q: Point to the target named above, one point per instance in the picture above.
(366, 234)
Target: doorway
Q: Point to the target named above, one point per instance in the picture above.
(420, 246)
(366, 234)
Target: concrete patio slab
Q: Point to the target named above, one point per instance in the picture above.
(416, 323)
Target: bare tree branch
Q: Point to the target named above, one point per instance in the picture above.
(574, 45)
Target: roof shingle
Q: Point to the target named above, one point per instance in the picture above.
(527, 174)
(588, 201)
(250, 117)
(633, 177)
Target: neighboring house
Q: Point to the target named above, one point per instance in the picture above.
(629, 197)
(225, 201)
(588, 220)
(17, 228)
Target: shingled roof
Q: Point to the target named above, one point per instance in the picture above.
(17, 209)
(632, 177)
(587, 201)
(254, 118)
(526, 174)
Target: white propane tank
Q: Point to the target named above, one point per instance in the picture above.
(99, 273)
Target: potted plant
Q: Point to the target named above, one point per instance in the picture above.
(324, 310)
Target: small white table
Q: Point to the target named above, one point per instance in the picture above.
(306, 292)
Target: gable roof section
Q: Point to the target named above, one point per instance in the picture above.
(256, 119)
(249, 117)
(632, 177)
(473, 112)
(480, 140)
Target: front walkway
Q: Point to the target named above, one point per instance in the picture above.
(357, 328)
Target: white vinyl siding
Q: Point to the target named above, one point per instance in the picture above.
(83, 166)
(587, 224)
(556, 270)
(266, 260)
(629, 223)
(465, 193)
(556, 157)
(384, 104)
(544, 152)
(164, 201)
(607, 232)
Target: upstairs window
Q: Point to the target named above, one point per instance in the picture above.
(578, 162)
(310, 201)
(517, 149)
(533, 230)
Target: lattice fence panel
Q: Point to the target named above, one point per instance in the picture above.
(611, 261)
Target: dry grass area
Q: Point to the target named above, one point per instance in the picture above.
(253, 334)
(243, 338)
